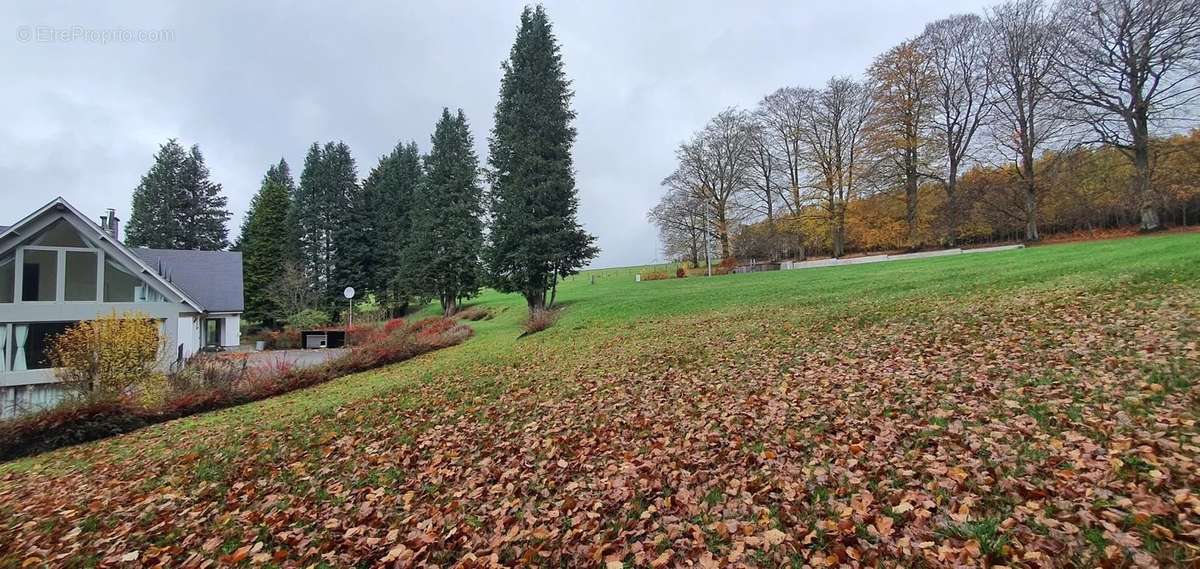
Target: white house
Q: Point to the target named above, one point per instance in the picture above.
(58, 267)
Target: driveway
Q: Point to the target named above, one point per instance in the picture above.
(297, 358)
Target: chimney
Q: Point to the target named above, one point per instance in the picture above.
(109, 223)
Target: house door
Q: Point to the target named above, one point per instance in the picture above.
(212, 332)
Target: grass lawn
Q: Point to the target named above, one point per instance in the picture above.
(1029, 408)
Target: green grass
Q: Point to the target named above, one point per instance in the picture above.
(605, 305)
(773, 399)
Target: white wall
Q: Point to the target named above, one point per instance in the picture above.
(232, 331)
(188, 335)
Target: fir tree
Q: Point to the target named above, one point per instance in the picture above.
(389, 190)
(447, 231)
(328, 186)
(176, 206)
(202, 211)
(535, 239)
(151, 223)
(264, 243)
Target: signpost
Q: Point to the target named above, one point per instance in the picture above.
(349, 294)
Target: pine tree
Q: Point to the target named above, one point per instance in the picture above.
(151, 223)
(328, 187)
(176, 206)
(306, 219)
(535, 239)
(202, 212)
(264, 244)
(442, 259)
(350, 253)
(389, 190)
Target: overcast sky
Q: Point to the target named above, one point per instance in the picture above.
(251, 82)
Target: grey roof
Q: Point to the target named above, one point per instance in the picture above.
(4, 227)
(212, 278)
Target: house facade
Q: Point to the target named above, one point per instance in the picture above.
(58, 267)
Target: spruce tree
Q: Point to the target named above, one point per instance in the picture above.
(327, 247)
(307, 219)
(264, 243)
(202, 209)
(535, 238)
(176, 206)
(151, 223)
(350, 253)
(389, 190)
(447, 231)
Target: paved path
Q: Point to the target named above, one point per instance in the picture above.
(298, 358)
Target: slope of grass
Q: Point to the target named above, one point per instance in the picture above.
(870, 372)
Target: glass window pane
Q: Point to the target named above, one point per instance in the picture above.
(8, 269)
(39, 276)
(81, 276)
(119, 284)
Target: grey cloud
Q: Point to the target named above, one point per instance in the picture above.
(253, 81)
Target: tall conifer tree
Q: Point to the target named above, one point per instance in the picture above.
(264, 242)
(328, 185)
(176, 206)
(447, 230)
(535, 239)
(388, 191)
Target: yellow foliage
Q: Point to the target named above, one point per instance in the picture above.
(111, 356)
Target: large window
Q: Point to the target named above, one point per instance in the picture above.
(30, 345)
(8, 275)
(80, 276)
(39, 276)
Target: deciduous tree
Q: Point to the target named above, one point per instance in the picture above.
(1128, 68)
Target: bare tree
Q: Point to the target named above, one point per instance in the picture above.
(834, 145)
(1025, 42)
(681, 222)
(780, 115)
(1130, 66)
(714, 165)
(764, 177)
(958, 52)
(291, 292)
(903, 83)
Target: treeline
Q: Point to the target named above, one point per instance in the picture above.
(1031, 117)
(414, 229)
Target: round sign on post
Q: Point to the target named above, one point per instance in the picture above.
(349, 294)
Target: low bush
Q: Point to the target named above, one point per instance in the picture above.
(309, 318)
(655, 275)
(474, 314)
(217, 381)
(680, 272)
(110, 357)
(539, 320)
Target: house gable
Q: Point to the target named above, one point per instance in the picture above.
(47, 224)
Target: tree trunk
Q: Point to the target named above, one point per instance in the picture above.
(1141, 188)
(952, 212)
(910, 196)
(449, 304)
(536, 300)
(1030, 186)
(723, 235)
(838, 232)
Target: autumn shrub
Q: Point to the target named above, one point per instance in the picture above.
(655, 275)
(109, 357)
(215, 381)
(539, 320)
(680, 272)
(474, 314)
